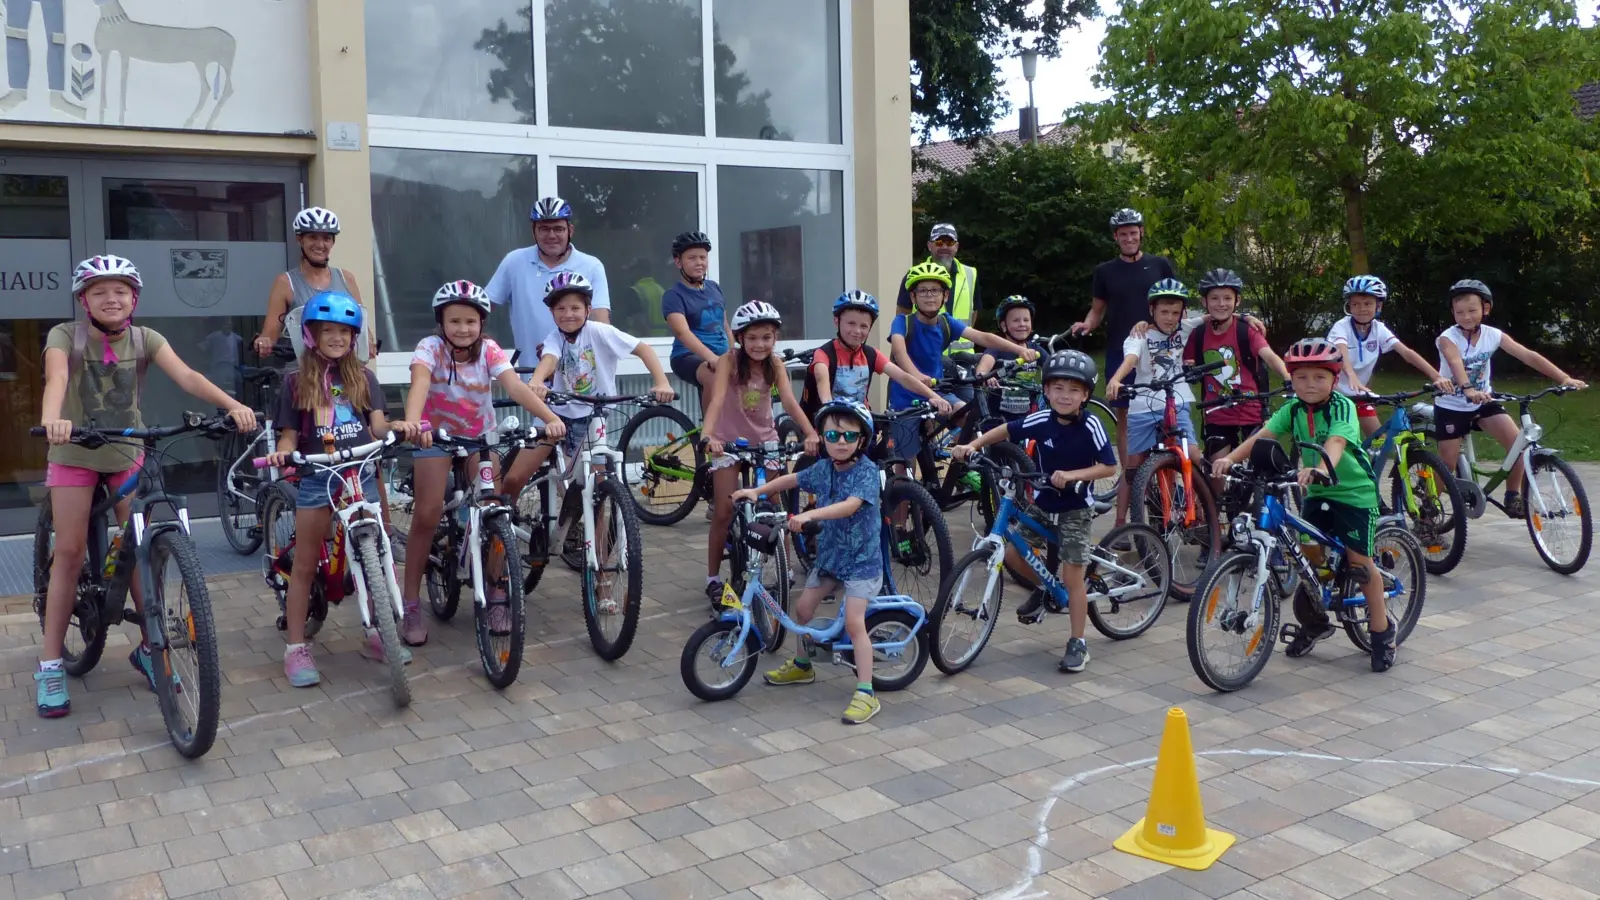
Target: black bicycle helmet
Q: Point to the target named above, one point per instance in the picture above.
(1221, 278)
(688, 240)
(1012, 302)
(1073, 365)
(1471, 286)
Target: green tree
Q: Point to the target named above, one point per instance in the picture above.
(1403, 119)
(955, 80)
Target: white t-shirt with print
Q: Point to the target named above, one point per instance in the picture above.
(1476, 360)
(587, 365)
(1363, 353)
(1160, 358)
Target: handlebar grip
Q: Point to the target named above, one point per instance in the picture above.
(37, 431)
(261, 462)
(811, 529)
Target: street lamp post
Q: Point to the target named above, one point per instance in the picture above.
(1030, 68)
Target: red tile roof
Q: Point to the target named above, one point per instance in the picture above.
(954, 156)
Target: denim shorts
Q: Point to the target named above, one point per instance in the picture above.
(1144, 429)
(862, 588)
(314, 489)
(907, 432)
(430, 453)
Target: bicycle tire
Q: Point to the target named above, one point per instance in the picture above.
(381, 607)
(918, 646)
(502, 662)
(1118, 539)
(1203, 610)
(1140, 511)
(440, 575)
(244, 537)
(199, 632)
(925, 558)
(742, 675)
(768, 628)
(1429, 524)
(635, 460)
(1008, 455)
(86, 621)
(608, 491)
(985, 613)
(1541, 464)
(531, 507)
(276, 500)
(1357, 631)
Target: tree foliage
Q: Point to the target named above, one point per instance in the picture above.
(1395, 120)
(956, 82)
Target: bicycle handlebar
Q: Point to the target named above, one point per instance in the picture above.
(1236, 399)
(219, 424)
(780, 518)
(1189, 374)
(348, 454)
(1394, 399)
(1529, 398)
(980, 461)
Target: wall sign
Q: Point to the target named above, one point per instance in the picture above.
(344, 136)
(35, 278)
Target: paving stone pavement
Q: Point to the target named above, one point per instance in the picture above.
(589, 779)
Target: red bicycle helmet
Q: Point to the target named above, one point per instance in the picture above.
(1316, 352)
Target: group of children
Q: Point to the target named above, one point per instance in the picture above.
(333, 397)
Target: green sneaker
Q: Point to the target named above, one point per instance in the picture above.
(863, 706)
(790, 673)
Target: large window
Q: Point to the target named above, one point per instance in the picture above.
(777, 72)
(438, 216)
(147, 209)
(462, 59)
(782, 239)
(626, 65)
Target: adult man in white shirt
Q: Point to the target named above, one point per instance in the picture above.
(523, 273)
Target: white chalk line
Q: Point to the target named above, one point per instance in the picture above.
(1020, 890)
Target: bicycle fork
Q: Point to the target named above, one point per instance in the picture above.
(358, 572)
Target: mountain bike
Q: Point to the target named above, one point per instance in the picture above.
(357, 561)
(178, 622)
(1128, 577)
(1237, 602)
(1421, 488)
(1558, 519)
(238, 485)
(721, 656)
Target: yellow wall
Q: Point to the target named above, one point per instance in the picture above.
(341, 180)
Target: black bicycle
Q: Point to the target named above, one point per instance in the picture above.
(177, 617)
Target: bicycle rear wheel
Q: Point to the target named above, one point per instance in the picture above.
(1440, 522)
(1564, 532)
(611, 590)
(236, 493)
(661, 459)
(188, 674)
(919, 548)
(501, 648)
(1124, 604)
(1229, 644)
(1403, 564)
(86, 630)
(1159, 500)
(381, 606)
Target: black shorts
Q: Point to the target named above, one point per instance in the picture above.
(1452, 424)
(685, 367)
(1225, 437)
(1352, 525)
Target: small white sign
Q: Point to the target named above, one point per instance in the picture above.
(344, 136)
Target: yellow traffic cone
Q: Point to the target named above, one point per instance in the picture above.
(1173, 830)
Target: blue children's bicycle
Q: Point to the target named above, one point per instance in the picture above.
(1129, 577)
(722, 655)
(1233, 619)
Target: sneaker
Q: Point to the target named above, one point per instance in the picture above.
(1383, 648)
(713, 594)
(1515, 508)
(145, 664)
(789, 673)
(413, 630)
(863, 706)
(372, 648)
(1076, 658)
(52, 693)
(1032, 609)
(1307, 638)
(299, 668)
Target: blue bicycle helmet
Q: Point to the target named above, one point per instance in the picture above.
(851, 408)
(856, 300)
(331, 306)
(550, 208)
(1366, 284)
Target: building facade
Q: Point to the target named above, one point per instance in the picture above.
(185, 136)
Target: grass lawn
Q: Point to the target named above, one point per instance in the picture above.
(1571, 422)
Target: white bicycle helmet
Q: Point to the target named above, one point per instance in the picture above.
(462, 291)
(753, 312)
(97, 268)
(316, 220)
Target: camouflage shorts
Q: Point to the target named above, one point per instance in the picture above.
(1072, 532)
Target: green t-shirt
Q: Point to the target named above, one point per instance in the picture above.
(1357, 485)
(103, 393)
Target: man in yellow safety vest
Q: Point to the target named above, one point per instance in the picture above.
(964, 300)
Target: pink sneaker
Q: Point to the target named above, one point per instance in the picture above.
(372, 648)
(299, 668)
(413, 630)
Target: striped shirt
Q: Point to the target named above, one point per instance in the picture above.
(1063, 447)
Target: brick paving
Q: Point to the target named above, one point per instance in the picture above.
(589, 779)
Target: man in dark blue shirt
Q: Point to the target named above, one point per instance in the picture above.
(1073, 449)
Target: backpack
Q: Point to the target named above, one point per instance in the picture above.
(810, 402)
(80, 347)
(1194, 351)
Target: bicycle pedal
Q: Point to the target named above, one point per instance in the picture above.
(1289, 632)
(1032, 618)
(129, 614)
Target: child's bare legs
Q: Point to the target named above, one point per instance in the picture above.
(69, 510)
(1372, 589)
(311, 527)
(1130, 468)
(1072, 576)
(1369, 426)
(855, 625)
(724, 482)
(1504, 429)
(522, 470)
(428, 480)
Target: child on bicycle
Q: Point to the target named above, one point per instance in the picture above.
(848, 556)
(1015, 316)
(1466, 348)
(1346, 509)
(331, 398)
(740, 406)
(93, 373)
(580, 357)
(1365, 338)
(1073, 448)
(453, 372)
(1230, 339)
(843, 367)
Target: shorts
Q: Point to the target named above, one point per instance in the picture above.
(1451, 424)
(1365, 410)
(963, 393)
(1352, 525)
(1071, 532)
(430, 453)
(727, 460)
(907, 433)
(63, 475)
(313, 489)
(1221, 437)
(577, 436)
(685, 367)
(862, 588)
(1144, 429)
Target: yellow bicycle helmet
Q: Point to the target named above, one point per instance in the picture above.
(927, 271)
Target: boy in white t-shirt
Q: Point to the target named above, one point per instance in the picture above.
(1466, 348)
(1364, 339)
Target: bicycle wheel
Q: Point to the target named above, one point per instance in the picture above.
(1222, 613)
(191, 695)
(1401, 560)
(774, 574)
(714, 664)
(530, 517)
(240, 526)
(442, 577)
(276, 500)
(1158, 499)
(1440, 521)
(1129, 576)
(400, 487)
(501, 651)
(967, 610)
(919, 548)
(660, 458)
(86, 630)
(1010, 456)
(381, 606)
(1105, 489)
(613, 619)
(1563, 533)
(894, 670)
